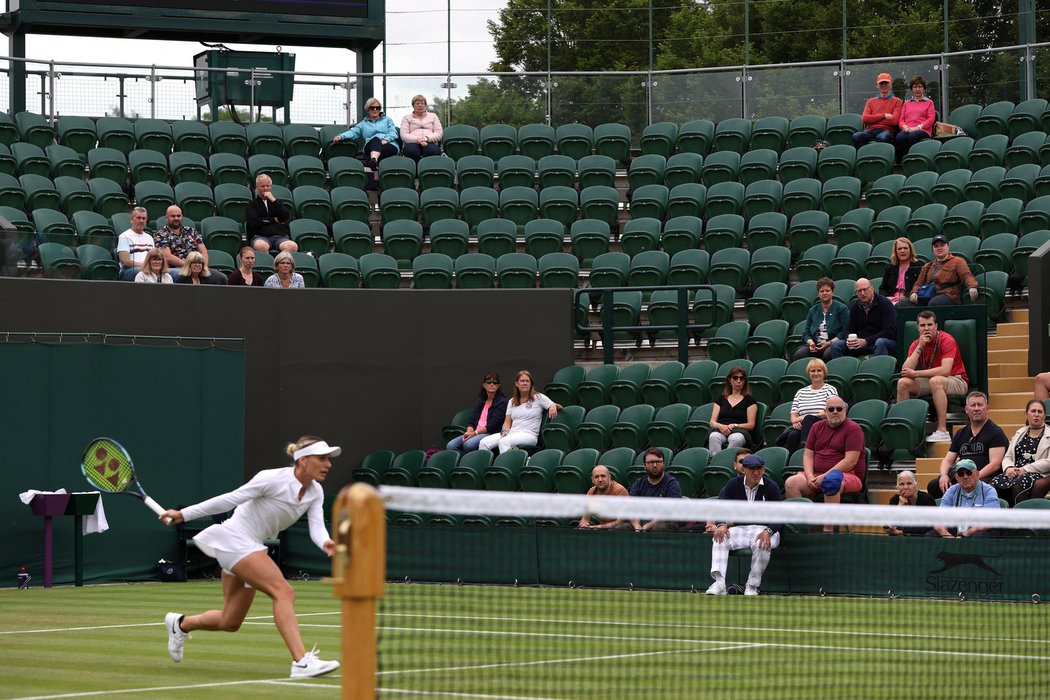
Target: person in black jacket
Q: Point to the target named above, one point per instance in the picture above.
(902, 272)
(872, 327)
(487, 418)
(760, 539)
(908, 494)
(266, 220)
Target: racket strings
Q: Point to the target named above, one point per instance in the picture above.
(107, 466)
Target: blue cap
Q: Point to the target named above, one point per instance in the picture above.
(832, 482)
(753, 461)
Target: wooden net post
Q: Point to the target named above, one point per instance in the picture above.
(358, 577)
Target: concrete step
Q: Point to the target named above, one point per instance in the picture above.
(1015, 356)
(1005, 385)
(926, 468)
(1007, 342)
(1017, 315)
(1011, 400)
(1008, 369)
(866, 530)
(1003, 416)
(881, 496)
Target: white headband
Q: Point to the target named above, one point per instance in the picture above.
(317, 448)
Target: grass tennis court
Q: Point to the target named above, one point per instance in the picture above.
(530, 643)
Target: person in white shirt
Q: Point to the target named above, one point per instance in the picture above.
(154, 269)
(521, 427)
(133, 244)
(272, 501)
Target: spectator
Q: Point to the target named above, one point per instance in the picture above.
(133, 244)
(934, 366)
(285, 276)
(378, 133)
(155, 269)
(980, 441)
(266, 220)
(521, 426)
(196, 271)
(734, 415)
(947, 273)
(808, 406)
(245, 275)
(1041, 390)
(488, 416)
(872, 327)
(603, 485)
(967, 492)
(908, 494)
(177, 241)
(738, 459)
(760, 539)
(901, 273)
(1026, 464)
(834, 461)
(421, 131)
(916, 119)
(656, 483)
(881, 115)
(825, 323)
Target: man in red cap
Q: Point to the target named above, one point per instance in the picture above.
(881, 114)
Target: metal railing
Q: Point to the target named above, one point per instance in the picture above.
(633, 98)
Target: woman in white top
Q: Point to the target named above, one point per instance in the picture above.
(286, 277)
(154, 269)
(272, 501)
(521, 427)
(808, 406)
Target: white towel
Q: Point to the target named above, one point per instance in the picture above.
(96, 522)
(27, 496)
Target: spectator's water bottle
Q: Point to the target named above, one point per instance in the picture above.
(23, 578)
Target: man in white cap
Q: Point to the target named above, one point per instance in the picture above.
(760, 539)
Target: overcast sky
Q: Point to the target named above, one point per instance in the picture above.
(417, 32)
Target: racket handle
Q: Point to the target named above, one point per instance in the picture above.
(156, 508)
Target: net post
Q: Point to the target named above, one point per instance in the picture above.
(358, 577)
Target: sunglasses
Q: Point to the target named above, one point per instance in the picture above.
(492, 381)
(835, 409)
(376, 107)
(738, 376)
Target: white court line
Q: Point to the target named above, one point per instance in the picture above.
(152, 624)
(153, 689)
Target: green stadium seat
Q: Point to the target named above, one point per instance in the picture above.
(497, 237)
(954, 154)
(839, 196)
(964, 117)
(950, 188)
(398, 204)
(904, 426)
(757, 165)
(594, 431)
(268, 164)
(713, 306)
(993, 119)
(770, 264)
(475, 271)
(764, 304)
(698, 427)
(307, 170)
(683, 168)
(73, 193)
(8, 130)
(460, 140)
(725, 198)
(688, 266)
(590, 238)
(402, 240)
(610, 270)
(11, 192)
(601, 203)
(646, 170)
(573, 475)
(841, 127)
(764, 230)
(432, 271)
(984, 185)
(196, 200)
(537, 476)
(807, 229)
(849, 261)
(19, 220)
(434, 474)
(397, 171)
(996, 253)
(926, 221)
(543, 236)
(77, 133)
(874, 160)
(797, 164)
(109, 196)
(696, 136)
(562, 388)
(988, 151)
(265, 138)
(626, 389)
(630, 428)
(733, 135)
(191, 137)
(1019, 182)
(498, 140)
(596, 170)
(1026, 117)
(379, 271)
(874, 378)
(556, 171)
(659, 139)
(7, 161)
(64, 161)
(30, 159)
(728, 342)
(58, 261)
(34, 129)
(97, 263)
(815, 262)
(692, 387)
(40, 193)
(917, 190)
(559, 270)
(436, 172)
(344, 171)
(475, 171)
(54, 226)
(800, 196)
(658, 389)
(1003, 216)
(921, 157)
(721, 166)
(438, 203)
(301, 140)
(963, 220)
(681, 233)
(797, 302)
(723, 231)
(1025, 149)
(354, 238)
(689, 199)
(305, 265)
(648, 269)
(649, 201)
(667, 428)
(228, 168)
(339, 271)
(836, 161)
(770, 133)
(516, 271)
(221, 233)
(516, 171)
(764, 379)
(558, 203)
(350, 203)
(311, 236)
(855, 226)
(187, 166)
(536, 140)
(116, 133)
(613, 140)
(767, 342)
(762, 197)
(805, 130)
(1036, 215)
(154, 135)
(231, 200)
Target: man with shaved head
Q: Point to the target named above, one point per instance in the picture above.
(872, 327)
(603, 485)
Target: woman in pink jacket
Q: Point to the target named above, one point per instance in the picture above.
(421, 131)
(917, 117)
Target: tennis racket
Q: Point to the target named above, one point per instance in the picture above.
(107, 466)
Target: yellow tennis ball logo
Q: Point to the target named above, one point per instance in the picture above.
(108, 467)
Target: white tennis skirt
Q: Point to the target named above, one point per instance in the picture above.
(226, 545)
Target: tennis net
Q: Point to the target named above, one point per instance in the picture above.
(497, 594)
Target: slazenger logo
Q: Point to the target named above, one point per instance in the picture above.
(954, 583)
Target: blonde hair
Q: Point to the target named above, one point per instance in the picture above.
(816, 362)
(893, 255)
(373, 101)
(299, 444)
(155, 253)
(195, 257)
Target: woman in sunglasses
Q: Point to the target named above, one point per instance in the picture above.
(734, 414)
(488, 416)
(377, 131)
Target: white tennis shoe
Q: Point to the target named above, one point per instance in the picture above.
(176, 637)
(310, 666)
(717, 588)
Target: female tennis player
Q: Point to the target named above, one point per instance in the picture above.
(269, 503)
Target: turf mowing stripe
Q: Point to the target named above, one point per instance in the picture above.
(154, 689)
(446, 694)
(268, 618)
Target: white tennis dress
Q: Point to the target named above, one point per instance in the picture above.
(265, 506)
